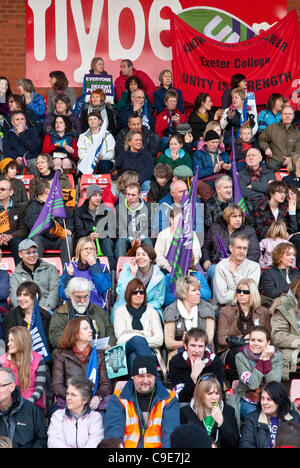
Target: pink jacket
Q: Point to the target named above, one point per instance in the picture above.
(148, 85)
(36, 357)
(267, 246)
(65, 431)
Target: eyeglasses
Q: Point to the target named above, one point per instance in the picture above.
(138, 291)
(204, 377)
(31, 252)
(5, 384)
(244, 291)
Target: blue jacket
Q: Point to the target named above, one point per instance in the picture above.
(115, 418)
(155, 290)
(205, 291)
(159, 99)
(203, 160)
(38, 106)
(266, 117)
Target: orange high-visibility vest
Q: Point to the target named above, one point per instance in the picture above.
(152, 436)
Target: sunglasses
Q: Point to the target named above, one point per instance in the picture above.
(244, 291)
(138, 291)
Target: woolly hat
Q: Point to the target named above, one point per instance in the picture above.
(92, 189)
(211, 135)
(4, 163)
(144, 365)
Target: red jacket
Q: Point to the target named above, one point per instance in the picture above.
(148, 85)
(49, 147)
(162, 122)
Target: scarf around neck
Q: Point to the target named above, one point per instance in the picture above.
(136, 316)
(190, 319)
(255, 174)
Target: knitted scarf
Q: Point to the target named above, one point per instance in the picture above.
(244, 324)
(82, 354)
(136, 316)
(207, 358)
(255, 174)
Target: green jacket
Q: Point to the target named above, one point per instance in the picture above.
(285, 333)
(60, 318)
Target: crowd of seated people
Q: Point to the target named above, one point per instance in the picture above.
(212, 357)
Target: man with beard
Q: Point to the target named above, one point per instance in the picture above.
(79, 305)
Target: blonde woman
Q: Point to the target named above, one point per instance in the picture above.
(208, 411)
(236, 322)
(28, 366)
(85, 264)
(189, 311)
(294, 171)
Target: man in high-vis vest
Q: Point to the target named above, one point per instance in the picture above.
(144, 413)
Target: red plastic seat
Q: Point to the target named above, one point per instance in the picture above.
(56, 261)
(8, 264)
(103, 180)
(295, 389)
(120, 263)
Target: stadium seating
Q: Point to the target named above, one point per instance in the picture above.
(87, 179)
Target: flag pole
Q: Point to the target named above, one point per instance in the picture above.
(68, 247)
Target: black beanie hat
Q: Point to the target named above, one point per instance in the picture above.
(211, 135)
(190, 436)
(144, 365)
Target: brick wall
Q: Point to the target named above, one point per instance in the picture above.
(13, 39)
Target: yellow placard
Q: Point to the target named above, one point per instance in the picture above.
(69, 197)
(4, 222)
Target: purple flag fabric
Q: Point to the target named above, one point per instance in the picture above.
(54, 207)
(238, 198)
(181, 248)
(221, 247)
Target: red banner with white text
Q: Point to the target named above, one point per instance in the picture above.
(270, 61)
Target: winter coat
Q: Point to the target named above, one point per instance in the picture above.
(61, 317)
(285, 332)
(162, 122)
(273, 282)
(149, 138)
(225, 436)
(210, 250)
(54, 143)
(267, 245)
(116, 418)
(258, 189)
(97, 274)
(17, 225)
(152, 329)
(263, 217)
(155, 289)
(66, 431)
(228, 319)
(235, 123)
(140, 161)
(213, 209)
(4, 290)
(146, 114)
(198, 125)
(159, 99)
(184, 159)
(266, 117)
(45, 275)
(16, 318)
(27, 143)
(37, 105)
(66, 365)
(23, 423)
(84, 221)
(256, 432)
(281, 140)
(20, 195)
(180, 373)
(251, 378)
(106, 110)
(85, 141)
(203, 160)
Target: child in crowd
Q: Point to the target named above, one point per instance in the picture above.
(276, 234)
(160, 186)
(245, 142)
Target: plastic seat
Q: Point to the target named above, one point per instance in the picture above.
(71, 179)
(295, 389)
(103, 180)
(26, 181)
(56, 261)
(8, 264)
(120, 263)
(105, 261)
(281, 174)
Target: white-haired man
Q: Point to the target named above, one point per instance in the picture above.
(79, 305)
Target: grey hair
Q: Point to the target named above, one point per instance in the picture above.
(78, 284)
(84, 385)
(222, 178)
(10, 373)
